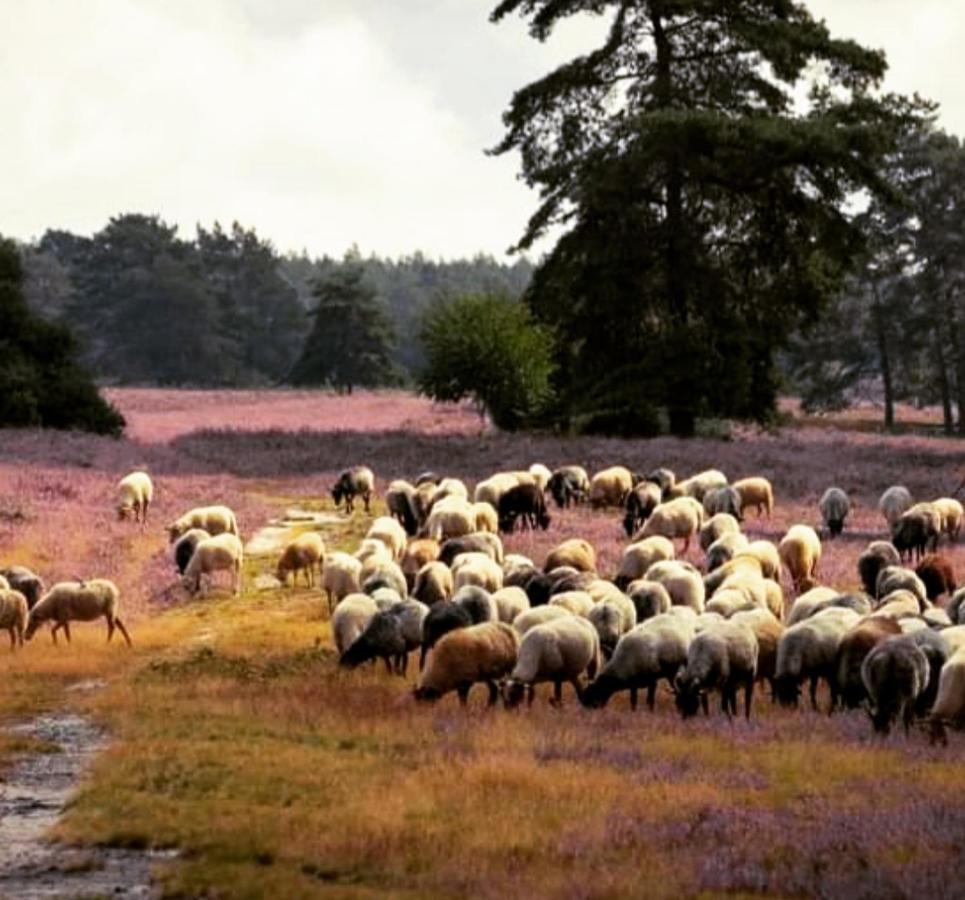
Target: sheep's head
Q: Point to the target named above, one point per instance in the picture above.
(124, 511)
(338, 492)
(33, 623)
(543, 519)
(687, 691)
(426, 694)
(513, 692)
(174, 531)
(596, 694)
(787, 691)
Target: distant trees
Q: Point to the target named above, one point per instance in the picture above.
(488, 348)
(41, 383)
(352, 337)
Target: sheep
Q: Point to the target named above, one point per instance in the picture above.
(952, 515)
(478, 569)
(350, 619)
(955, 609)
(937, 618)
(566, 578)
(600, 589)
(809, 603)
(428, 477)
(800, 553)
(20, 578)
(537, 615)
(478, 602)
(716, 527)
(433, 583)
(949, 707)
(481, 653)
(385, 597)
(13, 615)
(77, 601)
(523, 503)
(877, 556)
(665, 479)
(808, 650)
(423, 499)
(185, 546)
(574, 552)
(569, 485)
(697, 485)
(213, 519)
(893, 502)
(136, 493)
(359, 481)
(450, 487)
(767, 629)
(577, 602)
(649, 598)
(486, 518)
(834, 506)
(767, 555)
(510, 602)
(390, 533)
(855, 645)
(728, 601)
(491, 489)
(645, 654)
(741, 563)
(516, 564)
(454, 517)
(610, 487)
(937, 650)
(382, 639)
(642, 500)
(722, 657)
(679, 518)
(640, 556)
(756, 590)
(725, 548)
(894, 675)
(556, 651)
(756, 492)
(916, 531)
(895, 578)
(384, 574)
(475, 542)
(411, 615)
(898, 605)
(442, 618)
(340, 577)
(371, 552)
(400, 500)
(416, 555)
(723, 500)
(682, 581)
(220, 552)
(541, 475)
(612, 618)
(937, 574)
(303, 554)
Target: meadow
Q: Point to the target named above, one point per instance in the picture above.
(236, 740)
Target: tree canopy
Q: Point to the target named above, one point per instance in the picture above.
(704, 207)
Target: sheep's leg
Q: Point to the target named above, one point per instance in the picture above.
(530, 694)
(748, 697)
(557, 698)
(493, 693)
(463, 692)
(633, 698)
(123, 631)
(704, 704)
(66, 627)
(814, 694)
(651, 695)
(388, 664)
(577, 688)
(422, 657)
(53, 633)
(13, 642)
(938, 735)
(110, 629)
(367, 498)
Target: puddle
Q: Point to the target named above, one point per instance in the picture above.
(278, 532)
(32, 796)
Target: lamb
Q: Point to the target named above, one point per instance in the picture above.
(937, 574)
(697, 485)
(136, 493)
(213, 519)
(221, 552)
(893, 502)
(510, 602)
(359, 481)
(481, 653)
(612, 618)
(877, 556)
(303, 554)
(855, 645)
(390, 533)
(679, 518)
(809, 651)
(433, 583)
(556, 651)
(340, 577)
(478, 569)
(716, 527)
(569, 485)
(610, 487)
(800, 553)
(952, 515)
(350, 619)
(756, 492)
(640, 556)
(77, 601)
(640, 503)
(442, 618)
(721, 657)
(650, 598)
(896, 578)
(538, 615)
(417, 554)
(682, 581)
(725, 548)
(523, 503)
(894, 675)
(834, 506)
(575, 552)
(645, 654)
(13, 615)
(20, 578)
(400, 500)
(949, 708)
(915, 530)
(486, 518)
(185, 546)
(723, 500)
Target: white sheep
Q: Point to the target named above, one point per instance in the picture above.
(304, 554)
(213, 519)
(136, 491)
(834, 506)
(679, 518)
(756, 492)
(385, 574)
(539, 615)
(452, 517)
(716, 527)
(649, 598)
(491, 489)
(949, 707)
(610, 487)
(577, 602)
(486, 518)
(575, 552)
(800, 553)
(612, 618)
(77, 601)
(350, 618)
(433, 583)
(640, 556)
(478, 569)
(541, 475)
(952, 514)
(725, 548)
(894, 578)
(893, 502)
(359, 481)
(721, 657)
(13, 615)
(219, 553)
(340, 577)
(697, 485)
(767, 555)
(391, 533)
(511, 602)
(682, 581)
(810, 602)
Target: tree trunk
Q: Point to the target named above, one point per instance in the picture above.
(943, 383)
(884, 358)
(958, 351)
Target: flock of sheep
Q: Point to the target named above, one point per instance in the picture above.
(433, 576)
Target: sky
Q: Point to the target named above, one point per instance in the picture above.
(320, 123)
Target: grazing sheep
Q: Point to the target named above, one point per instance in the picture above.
(541, 475)
(382, 639)
(612, 618)
(450, 488)
(682, 581)
(416, 555)
(956, 607)
(937, 574)
(716, 527)
(855, 645)
(486, 518)
(464, 657)
(433, 583)
(478, 602)
(756, 492)
(640, 503)
(949, 708)
(811, 602)
(899, 604)
(896, 578)
(371, 553)
(384, 573)
(728, 601)
(477, 569)
(475, 542)
(800, 553)
(350, 619)
(556, 651)
(219, 553)
(877, 556)
(359, 481)
(303, 554)
(610, 487)
(538, 615)
(510, 602)
(452, 517)
(755, 590)
(600, 589)
(77, 601)
(649, 598)
(569, 485)
(645, 654)
(742, 563)
(213, 519)
(952, 515)
(20, 578)
(523, 503)
(679, 518)
(725, 548)
(640, 556)
(136, 491)
(340, 577)
(574, 552)
(722, 657)
(400, 500)
(894, 675)
(916, 531)
(390, 533)
(665, 479)
(937, 650)
(13, 615)
(808, 650)
(697, 485)
(768, 630)
(893, 502)
(566, 578)
(491, 489)
(577, 602)
(834, 506)
(185, 546)
(442, 618)
(723, 500)
(768, 556)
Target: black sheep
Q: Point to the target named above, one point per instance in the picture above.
(525, 503)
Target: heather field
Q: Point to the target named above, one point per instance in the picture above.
(237, 741)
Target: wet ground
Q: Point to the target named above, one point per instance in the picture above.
(275, 536)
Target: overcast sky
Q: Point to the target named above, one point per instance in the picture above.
(319, 122)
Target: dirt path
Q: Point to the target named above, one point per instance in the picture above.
(32, 797)
(273, 537)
